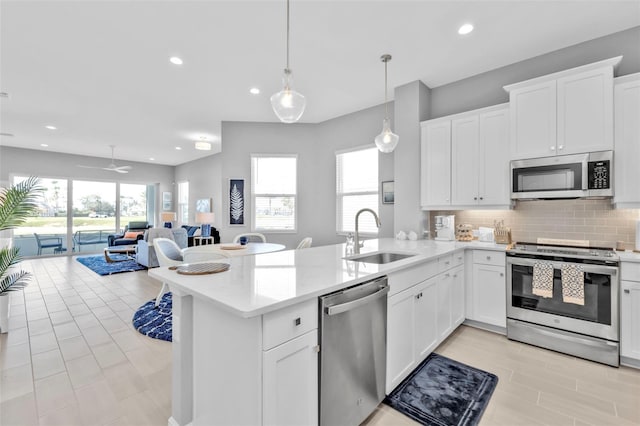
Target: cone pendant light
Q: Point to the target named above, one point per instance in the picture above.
(386, 141)
(288, 104)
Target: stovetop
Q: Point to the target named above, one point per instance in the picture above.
(600, 253)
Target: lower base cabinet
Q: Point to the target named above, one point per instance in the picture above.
(488, 288)
(290, 382)
(420, 318)
(630, 320)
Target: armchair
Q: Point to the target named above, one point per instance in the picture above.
(122, 239)
(146, 253)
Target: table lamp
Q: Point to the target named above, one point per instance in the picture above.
(205, 219)
(167, 218)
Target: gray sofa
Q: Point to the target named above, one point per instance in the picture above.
(146, 254)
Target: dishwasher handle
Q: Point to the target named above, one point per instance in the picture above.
(343, 307)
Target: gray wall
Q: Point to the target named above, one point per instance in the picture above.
(18, 161)
(315, 145)
(486, 89)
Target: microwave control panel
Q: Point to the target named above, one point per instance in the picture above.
(599, 175)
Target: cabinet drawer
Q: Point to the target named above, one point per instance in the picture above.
(487, 257)
(630, 271)
(458, 258)
(445, 263)
(402, 280)
(285, 324)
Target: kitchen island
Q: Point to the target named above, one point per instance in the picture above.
(245, 340)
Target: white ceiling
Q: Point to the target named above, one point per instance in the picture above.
(99, 70)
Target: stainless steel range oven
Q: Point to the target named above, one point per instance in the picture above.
(545, 309)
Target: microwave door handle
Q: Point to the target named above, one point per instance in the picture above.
(585, 174)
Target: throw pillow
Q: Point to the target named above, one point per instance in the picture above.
(131, 235)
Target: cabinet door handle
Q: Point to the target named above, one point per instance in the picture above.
(447, 275)
(447, 262)
(502, 274)
(297, 321)
(455, 276)
(627, 291)
(481, 198)
(488, 257)
(553, 148)
(475, 198)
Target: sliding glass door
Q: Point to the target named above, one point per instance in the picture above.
(94, 214)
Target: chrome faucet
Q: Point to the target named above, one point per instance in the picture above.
(356, 241)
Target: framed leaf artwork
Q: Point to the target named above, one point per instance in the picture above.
(236, 202)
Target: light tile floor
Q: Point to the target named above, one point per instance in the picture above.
(71, 357)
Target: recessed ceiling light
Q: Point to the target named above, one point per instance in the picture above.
(465, 29)
(152, 159)
(203, 145)
(175, 60)
(254, 91)
(178, 148)
(44, 144)
(51, 127)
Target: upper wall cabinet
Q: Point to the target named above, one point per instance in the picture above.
(435, 165)
(465, 160)
(568, 112)
(627, 141)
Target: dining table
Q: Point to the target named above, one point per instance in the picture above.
(196, 253)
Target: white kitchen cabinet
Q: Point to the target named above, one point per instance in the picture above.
(488, 288)
(290, 382)
(464, 160)
(401, 356)
(627, 141)
(435, 170)
(420, 317)
(426, 308)
(457, 297)
(533, 120)
(411, 329)
(630, 313)
(479, 160)
(567, 112)
(444, 286)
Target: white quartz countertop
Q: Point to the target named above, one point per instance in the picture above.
(255, 285)
(629, 256)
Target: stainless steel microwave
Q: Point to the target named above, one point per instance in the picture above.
(563, 176)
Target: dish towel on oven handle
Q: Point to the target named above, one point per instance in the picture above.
(542, 279)
(572, 283)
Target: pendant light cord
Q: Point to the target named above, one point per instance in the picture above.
(386, 105)
(287, 35)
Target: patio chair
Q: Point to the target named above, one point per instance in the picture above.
(48, 241)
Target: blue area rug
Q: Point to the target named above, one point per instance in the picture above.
(444, 392)
(155, 322)
(101, 267)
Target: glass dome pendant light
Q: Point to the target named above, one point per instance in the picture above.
(287, 103)
(386, 141)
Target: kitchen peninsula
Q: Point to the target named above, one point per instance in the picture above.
(245, 340)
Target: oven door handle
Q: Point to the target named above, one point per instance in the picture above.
(586, 267)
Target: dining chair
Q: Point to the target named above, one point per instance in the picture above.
(305, 243)
(48, 241)
(252, 237)
(170, 254)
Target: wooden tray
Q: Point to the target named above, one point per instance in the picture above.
(232, 247)
(200, 268)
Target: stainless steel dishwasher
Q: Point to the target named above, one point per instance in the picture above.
(353, 352)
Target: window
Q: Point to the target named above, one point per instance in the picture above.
(183, 202)
(356, 188)
(273, 192)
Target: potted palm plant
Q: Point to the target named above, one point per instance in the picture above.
(16, 204)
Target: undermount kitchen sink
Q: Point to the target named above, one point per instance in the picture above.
(380, 257)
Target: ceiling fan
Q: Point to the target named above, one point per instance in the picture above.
(111, 167)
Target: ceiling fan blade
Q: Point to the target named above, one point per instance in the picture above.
(89, 167)
(123, 168)
(118, 170)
